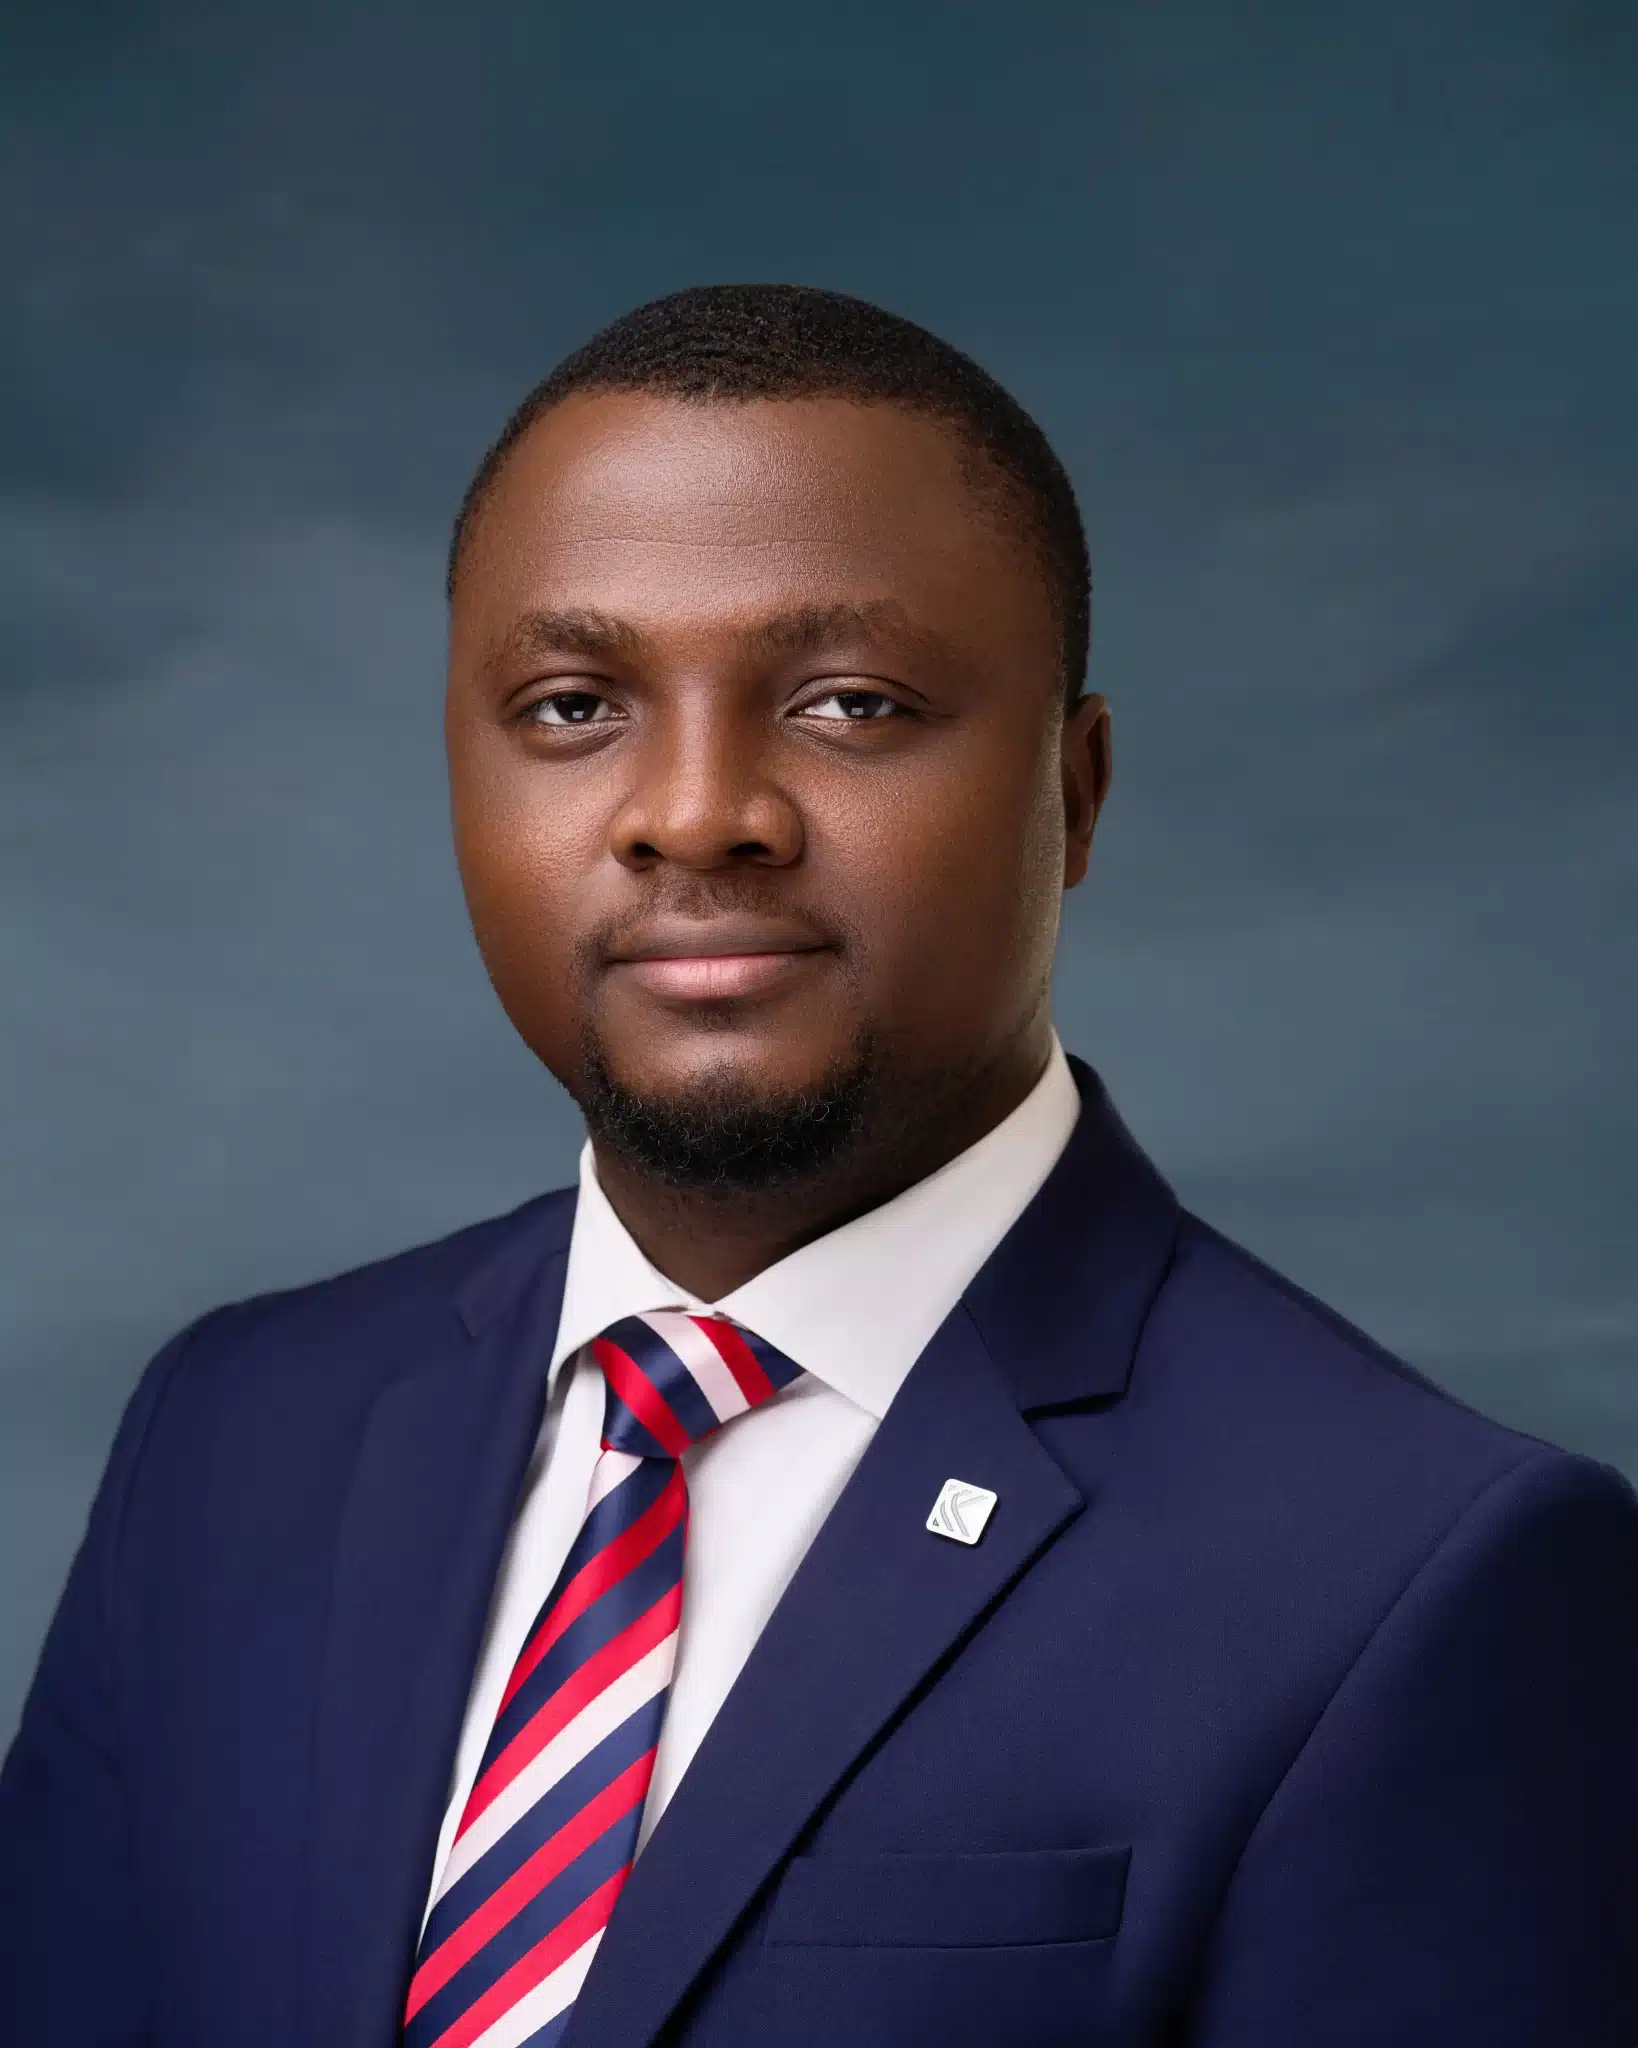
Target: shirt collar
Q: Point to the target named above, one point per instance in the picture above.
(856, 1307)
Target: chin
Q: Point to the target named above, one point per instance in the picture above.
(731, 1119)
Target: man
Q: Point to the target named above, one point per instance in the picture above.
(868, 1567)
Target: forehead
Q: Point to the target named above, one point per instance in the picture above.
(635, 503)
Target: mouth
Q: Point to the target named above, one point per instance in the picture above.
(691, 960)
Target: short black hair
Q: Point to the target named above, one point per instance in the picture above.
(749, 341)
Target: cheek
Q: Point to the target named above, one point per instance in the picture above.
(523, 865)
(967, 886)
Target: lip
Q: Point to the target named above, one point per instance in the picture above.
(716, 959)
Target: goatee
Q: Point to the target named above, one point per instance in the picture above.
(721, 1138)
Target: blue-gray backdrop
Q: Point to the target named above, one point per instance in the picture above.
(1333, 313)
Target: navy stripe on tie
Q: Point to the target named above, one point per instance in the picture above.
(609, 1853)
(634, 1737)
(781, 1370)
(614, 1610)
(615, 1512)
(613, 1515)
(667, 1375)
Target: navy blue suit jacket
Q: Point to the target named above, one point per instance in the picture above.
(1284, 1702)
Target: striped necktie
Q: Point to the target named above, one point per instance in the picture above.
(548, 1833)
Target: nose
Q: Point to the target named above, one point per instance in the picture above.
(705, 797)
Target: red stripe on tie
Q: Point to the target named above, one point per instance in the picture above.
(530, 1878)
(577, 1691)
(739, 1358)
(641, 1396)
(537, 1964)
(621, 1555)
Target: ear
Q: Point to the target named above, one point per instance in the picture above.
(1087, 766)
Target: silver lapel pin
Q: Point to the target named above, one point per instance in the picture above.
(961, 1511)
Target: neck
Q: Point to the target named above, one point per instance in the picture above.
(711, 1241)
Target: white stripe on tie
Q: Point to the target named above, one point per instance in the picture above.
(544, 2003)
(651, 1674)
(607, 1473)
(703, 1360)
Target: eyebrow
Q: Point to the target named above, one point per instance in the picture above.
(808, 627)
(802, 629)
(572, 631)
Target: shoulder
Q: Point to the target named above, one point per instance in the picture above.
(249, 1419)
(338, 1338)
(1310, 1459)
(1246, 1336)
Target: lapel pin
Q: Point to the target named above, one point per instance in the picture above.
(961, 1511)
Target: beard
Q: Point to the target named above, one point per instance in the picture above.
(718, 1138)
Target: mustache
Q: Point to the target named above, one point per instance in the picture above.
(704, 898)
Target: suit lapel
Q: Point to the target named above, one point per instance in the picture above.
(441, 1461)
(875, 1607)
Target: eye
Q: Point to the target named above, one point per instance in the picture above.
(571, 707)
(857, 705)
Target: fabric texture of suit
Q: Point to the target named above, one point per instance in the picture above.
(1284, 1700)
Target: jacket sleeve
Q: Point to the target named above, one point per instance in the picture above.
(71, 1937)
(1453, 1855)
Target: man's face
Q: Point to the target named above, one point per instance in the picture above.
(757, 752)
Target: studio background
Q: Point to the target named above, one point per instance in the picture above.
(1331, 311)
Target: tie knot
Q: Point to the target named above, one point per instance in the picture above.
(673, 1378)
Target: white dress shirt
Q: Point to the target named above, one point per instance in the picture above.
(855, 1309)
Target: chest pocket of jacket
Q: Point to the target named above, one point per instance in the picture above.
(1007, 1899)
